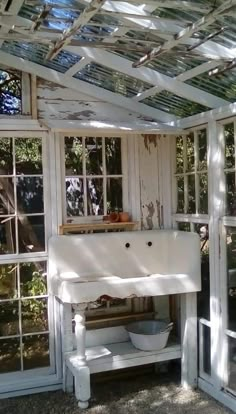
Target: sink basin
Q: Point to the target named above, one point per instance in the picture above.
(151, 335)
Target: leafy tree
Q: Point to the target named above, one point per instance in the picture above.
(10, 93)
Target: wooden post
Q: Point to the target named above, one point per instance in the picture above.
(189, 340)
(82, 376)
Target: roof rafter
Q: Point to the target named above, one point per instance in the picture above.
(149, 75)
(200, 24)
(84, 87)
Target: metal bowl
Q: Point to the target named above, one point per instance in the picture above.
(151, 335)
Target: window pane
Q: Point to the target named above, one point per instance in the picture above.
(10, 355)
(7, 235)
(31, 236)
(203, 194)
(33, 279)
(93, 155)
(206, 350)
(231, 271)
(34, 315)
(74, 197)
(203, 297)
(190, 151)
(180, 194)
(202, 149)
(7, 197)
(28, 153)
(114, 194)
(9, 318)
(191, 194)
(232, 363)
(179, 155)
(229, 146)
(113, 155)
(184, 226)
(36, 351)
(8, 281)
(230, 194)
(30, 195)
(73, 155)
(95, 197)
(6, 158)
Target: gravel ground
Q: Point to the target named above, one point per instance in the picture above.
(146, 394)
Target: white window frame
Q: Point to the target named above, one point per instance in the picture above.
(123, 175)
(25, 377)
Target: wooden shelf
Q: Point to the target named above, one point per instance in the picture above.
(121, 355)
(92, 227)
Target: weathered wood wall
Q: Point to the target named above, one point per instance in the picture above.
(56, 102)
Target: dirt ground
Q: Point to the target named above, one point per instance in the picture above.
(149, 393)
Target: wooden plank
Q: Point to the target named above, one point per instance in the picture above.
(90, 227)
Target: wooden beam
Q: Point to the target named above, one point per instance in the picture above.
(84, 87)
(151, 76)
(34, 101)
(83, 18)
(200, 24)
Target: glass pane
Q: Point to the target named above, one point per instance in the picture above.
(206, 349)
(31, 237)
(113, 155)
(179, 155)
(232, 363)
(34, 315)
(6, 158)
(184, 226)
(191, 194)
(93, 155)
(30, 195)
(180, 194)
(231, 270)
(8, 281)
(230, 194)
(10, 355)
(73, 155)
(203, 194)
(7, 197)
(95, 197)
(28, 155)
(9, 318)
(229, 146)
(36, 351)
(202, 149)
(7, 235)
(33, 279)
(74, 197)
(190, 151)
(203, 297)
(114, 194)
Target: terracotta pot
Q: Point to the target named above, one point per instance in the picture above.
(114, 217)
(124, 217)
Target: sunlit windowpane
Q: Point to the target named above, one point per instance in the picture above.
(190, 152)
(183, 226)
(7, 196)
(9, 318)
(93, 156)
(73, 155)
(33, 279)
(6, 156)
(230, 194)
(191, 194)
(30, 195)
(231, 273)
(36, 351)
(10, 355)
(113, 155)
(7, 235)
(203, 194)
(34, 315)
(114, 194)
(8, 281)
(203, 297)
(180, 194)
(28, 155)
(95, 197)
(229, 145)
(202, 149)
(179, 155)
(31, 234)
(74, 197)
